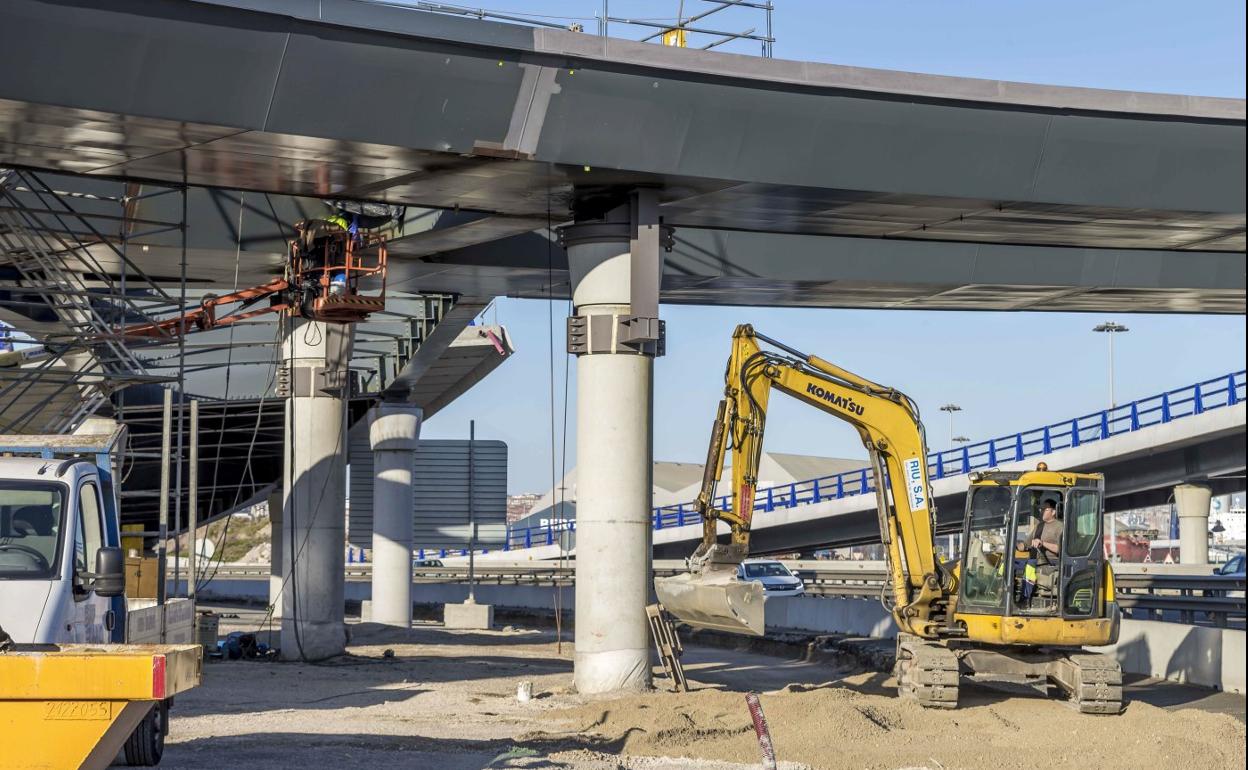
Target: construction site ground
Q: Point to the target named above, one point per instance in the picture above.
(446, 700)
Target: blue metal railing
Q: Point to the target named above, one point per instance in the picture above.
(1201, 397)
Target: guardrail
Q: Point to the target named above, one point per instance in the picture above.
(1159, 409)
(1196, 598)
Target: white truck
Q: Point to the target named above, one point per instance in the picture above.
(62, 569)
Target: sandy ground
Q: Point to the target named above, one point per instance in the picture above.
(446, 700)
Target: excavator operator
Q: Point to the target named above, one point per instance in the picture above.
(1046, 546)
(1047, 536)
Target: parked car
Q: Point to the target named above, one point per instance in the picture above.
(427, 564)
(776, 578)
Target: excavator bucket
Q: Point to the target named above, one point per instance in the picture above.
(714, 598)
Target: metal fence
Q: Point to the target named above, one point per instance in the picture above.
(1227, 390)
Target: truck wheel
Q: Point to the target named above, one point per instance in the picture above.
(146, 744)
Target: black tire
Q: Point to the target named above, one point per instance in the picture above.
(146, 745)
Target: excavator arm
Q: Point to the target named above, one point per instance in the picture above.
(887, 422)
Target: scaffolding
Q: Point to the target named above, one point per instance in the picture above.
(67, 288)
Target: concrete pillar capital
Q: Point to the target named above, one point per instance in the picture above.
(394, 427)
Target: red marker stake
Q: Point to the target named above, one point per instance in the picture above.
(760, 729)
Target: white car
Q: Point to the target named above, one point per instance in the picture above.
(776, 578)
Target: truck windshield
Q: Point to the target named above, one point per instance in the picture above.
(30, 527)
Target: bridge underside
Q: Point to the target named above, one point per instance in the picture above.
(789, 183)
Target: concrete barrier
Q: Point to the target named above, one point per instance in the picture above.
(851, 616)
(1199, 655)
(1209, 657)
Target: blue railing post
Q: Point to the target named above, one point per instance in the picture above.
(1135, 411)
(770, 505)
(865, 487)
(966, 460)
(992, 454)
(422, 553)
(840, 485)
(1105, 423)
(814, 492)
(1018, 446)
(550, 535)
(792, 495)
(1074, 432)
(1198, 402)
(1165, 407)
(1048, 440)
(441, 553)
(1232, 398)
(528, 537)
(680, 515)
(940, 465)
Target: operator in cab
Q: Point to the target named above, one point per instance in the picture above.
(1046, 538)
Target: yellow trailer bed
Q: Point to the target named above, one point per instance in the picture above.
(74, 705)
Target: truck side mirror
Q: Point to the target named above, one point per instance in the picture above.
(110, 572)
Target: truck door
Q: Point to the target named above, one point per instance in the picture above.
(92, 620)
(1083, 555)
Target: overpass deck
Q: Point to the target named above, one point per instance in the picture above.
(789, 183)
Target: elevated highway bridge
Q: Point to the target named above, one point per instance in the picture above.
(1144, 448)
(552, 164)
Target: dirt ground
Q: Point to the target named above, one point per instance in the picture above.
(446, 700)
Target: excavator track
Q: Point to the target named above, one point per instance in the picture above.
(1093, 682)
(926, 672)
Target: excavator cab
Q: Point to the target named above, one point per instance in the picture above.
(1003, 574)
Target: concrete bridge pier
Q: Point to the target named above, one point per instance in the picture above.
(393, 433)
(1192, 502)
(615, 264)
(314, 481)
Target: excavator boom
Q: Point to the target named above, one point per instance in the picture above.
(711, 594)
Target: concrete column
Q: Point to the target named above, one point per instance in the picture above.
(276, 552)
(1192, 501)
(393, 432)
(614, 449)
(315, 483)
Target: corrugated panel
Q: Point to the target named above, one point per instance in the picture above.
(440, 485)
(359, 487)
(440, 493)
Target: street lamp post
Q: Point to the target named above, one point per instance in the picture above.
(1110, 328)
(951, 408)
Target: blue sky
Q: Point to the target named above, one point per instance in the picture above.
(936, 357)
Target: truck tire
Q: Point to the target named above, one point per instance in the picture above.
(146, 745)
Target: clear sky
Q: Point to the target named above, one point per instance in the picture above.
(985, 362)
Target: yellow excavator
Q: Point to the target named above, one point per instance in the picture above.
(1019, 605)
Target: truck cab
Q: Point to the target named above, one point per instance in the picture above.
(62, 571)
(55, 537)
